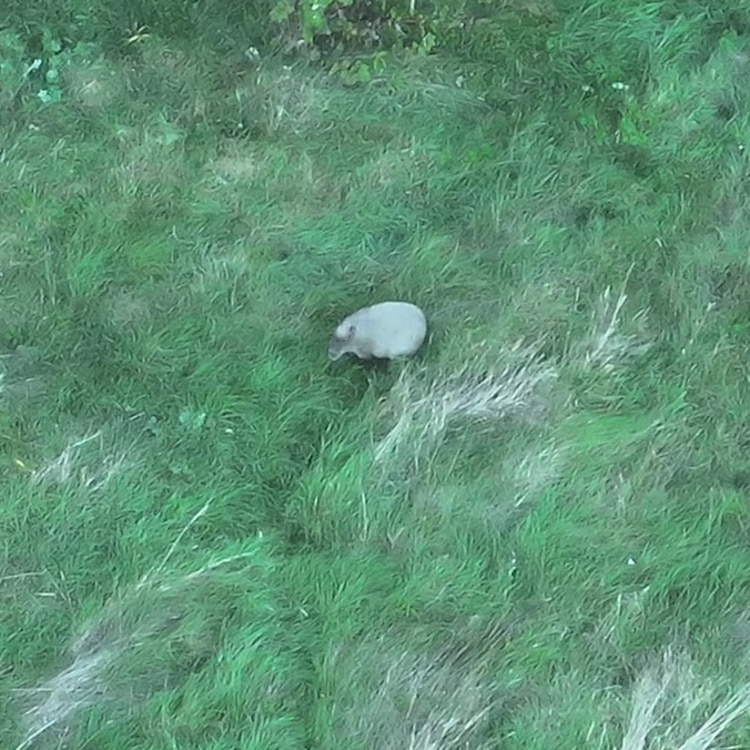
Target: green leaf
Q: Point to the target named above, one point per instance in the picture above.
(50, 96)
(363, 73)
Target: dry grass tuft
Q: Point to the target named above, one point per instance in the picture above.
(415, 702)
(58, 700)
(94, 85)
(535, 471)
(236, 165)
(128, 625)
(422, 409)
(670, 706)
(291, 102)
(72, 466)
(219, 268)
(150, 159)
(606, 346)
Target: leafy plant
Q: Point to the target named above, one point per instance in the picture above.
(40, 74)
(341, 26)
(14, 67)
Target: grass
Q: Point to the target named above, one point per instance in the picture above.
(533, 535)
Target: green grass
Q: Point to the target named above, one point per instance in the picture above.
(534, 535)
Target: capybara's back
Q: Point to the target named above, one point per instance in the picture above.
(386, 331)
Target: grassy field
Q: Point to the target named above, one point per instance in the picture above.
(536, 534)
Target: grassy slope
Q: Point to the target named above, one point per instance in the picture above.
(212, 538)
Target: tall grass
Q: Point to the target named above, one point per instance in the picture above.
(533, 535)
